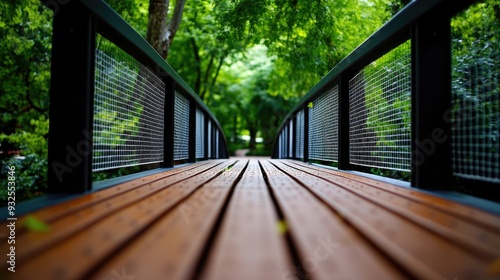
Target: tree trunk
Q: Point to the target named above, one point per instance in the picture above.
(160, 33)
(253, 136)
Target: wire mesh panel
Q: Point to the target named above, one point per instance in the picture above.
(290, 139)
(209, 139)
(283, 144)
(279, 145)
(181, 127)
(299, 137)
(200, 134)
(128, 111)
(217, 144)
(286, 141)
(380, 112)
(476, 93)
(323, 126)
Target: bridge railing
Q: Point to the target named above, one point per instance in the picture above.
(413, 99)
(114, 102)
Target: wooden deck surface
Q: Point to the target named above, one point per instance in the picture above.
(257, 219)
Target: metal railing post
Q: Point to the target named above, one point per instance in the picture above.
(71, 99)
(168, 132)
(192, 131)
(205, 137)
(431, 101)
(305, 151)
(343, 128)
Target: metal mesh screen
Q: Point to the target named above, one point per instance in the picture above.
(380, 112)
(209, 139)
(476, 94)
(285, 141)
(290, 139)
(323, 127)
(283, 144)
(181, 127)
(217, 144)
(299, 137)
(200, 134)
(279, 145)
(128, 111)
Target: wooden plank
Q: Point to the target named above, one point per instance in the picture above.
(52, 213)
(249, 244)
(482, 241)
(79, 220)
(75, 256)
(341, 226)
(328, 247)
(422, 253)
(171, 248)
(481, 218)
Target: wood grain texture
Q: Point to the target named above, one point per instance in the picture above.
(258, 219)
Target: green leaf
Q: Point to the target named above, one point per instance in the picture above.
(34, 224)
(281, 227)
(310, 105)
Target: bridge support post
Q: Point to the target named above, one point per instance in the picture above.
(306, 135)
(431, 101)
(205, 138)
(168, 119)
(192, 131)
(343, 132)
(293, 141)
(212, 141)
(71, 99)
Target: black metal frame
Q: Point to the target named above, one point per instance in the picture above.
(71, 99)
(431, 81)
(427, 24)
(75, 26)
(168, 135)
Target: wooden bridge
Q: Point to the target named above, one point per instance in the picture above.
(204, 215)
(259, 219)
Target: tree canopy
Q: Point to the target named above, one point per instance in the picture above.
(302, 40)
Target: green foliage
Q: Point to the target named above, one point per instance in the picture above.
(31, 177)
(384, 87)
(25, 29)
(31, 172)
(394, 174)
(202, 46)
(476, 64)
(245, 102)
(215, 52)
(389, 98)
(307, 37)
(34, 224)
(113, 173)
(30, 142)
(116, 123)
(135, 12)
(476, 87)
